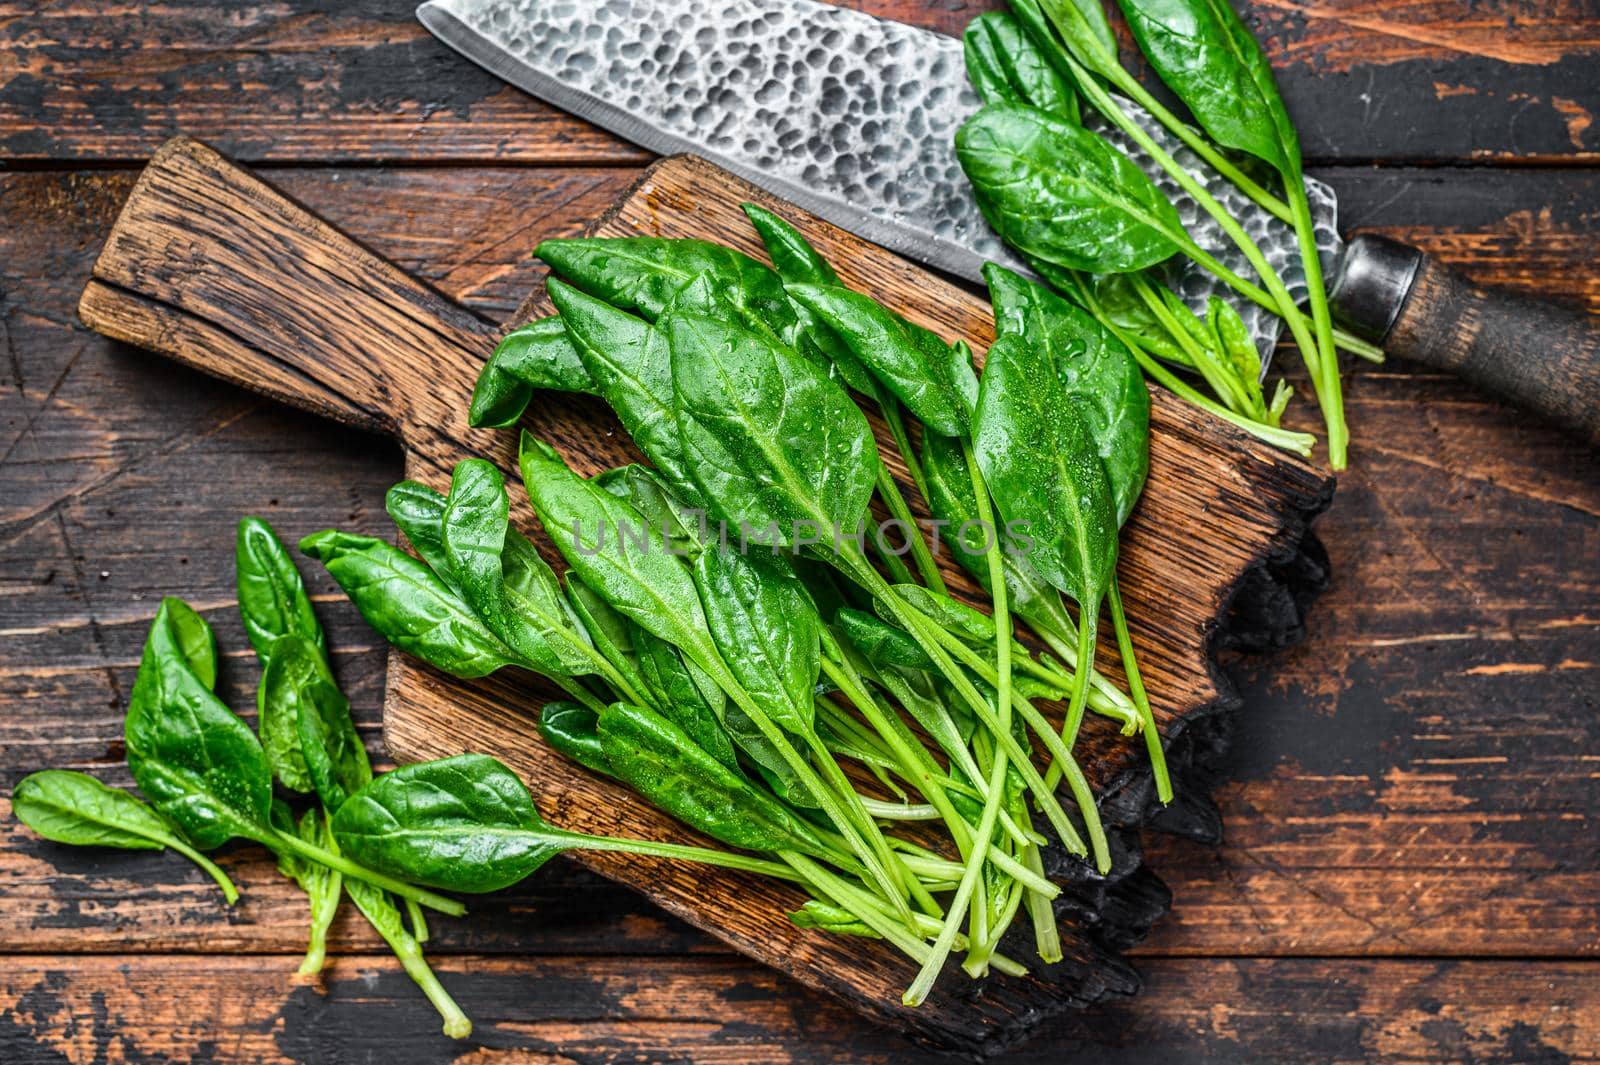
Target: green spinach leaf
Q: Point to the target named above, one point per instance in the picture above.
(272, 596)
(538, 355)
(1005, 66)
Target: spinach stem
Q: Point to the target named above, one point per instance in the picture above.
(710, 660)
(212, 869)
(682, 852)
(896, 421)
(1300, 443)
(900, 511)
(1222, 381)
(1046, 934)
(1329, 388)
(276, 840)
(1130, 665)
(419, 922)
(580, 693)
(457, 1025)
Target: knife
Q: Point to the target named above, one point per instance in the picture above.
(853, 117)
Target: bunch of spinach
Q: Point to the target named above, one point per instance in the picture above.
(1073, 205)
(731, 685)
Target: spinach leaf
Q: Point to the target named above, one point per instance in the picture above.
(1080, 25)
(769, 633)
(1210, 60)
(198, 763)
(687, 697)
(1058, 192)
(951, 499)
(408, 605)
(632, 364)
(272, 597)
(196, 642)
(772, 442)
(1005, 66)
(660, 761)
(680, 529)
(461, 824)
(418, 511)
(296, 674)
(574, 730)
(1097, 374)
(334, 757)
(910, 361)
(1041, 463)
(609, 631)
(645, 274)
(884, 645)
(502, 578)
(583, 520)
(538, 355)
(69, 807)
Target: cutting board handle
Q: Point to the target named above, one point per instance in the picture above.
(213, 267)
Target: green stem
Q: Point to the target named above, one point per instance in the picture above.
(1329, 389)
(229, 892)
(1222, 380)
(1152, 736)
(457, 1025)
(902, 440)
(1046, 935)
(276, 840)
(1301, 443)
(419, 922)
(703, 855)
(900, 511)
(1087, 624)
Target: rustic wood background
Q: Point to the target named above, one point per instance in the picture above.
(1411, 869)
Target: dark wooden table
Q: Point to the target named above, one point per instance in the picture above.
(1412, 861)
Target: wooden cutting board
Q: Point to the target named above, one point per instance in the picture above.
(213, 267)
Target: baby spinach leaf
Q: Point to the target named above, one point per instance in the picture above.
(535, 356)
(687, 697)
(1079, 25)
(574, 730)
(668, 521)
(296, 674)
(609, 631)
(884, 645)
(1058, 192)
(198, 763)
(418, 511)
(910, 361)
(660, 761)
(1006, 66)
(1097, 374)
(771, 440)
(644, 274)
(332, 752)
(408, 605)
(272, 597)
(583, 520)
(768, 631)
(196, 642)
(633, 366)
(75, 808)
(1212, 62)
(952, 502)
(461, 824)
(1039, 458)
(502, 577)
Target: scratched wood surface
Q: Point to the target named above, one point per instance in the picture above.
(1409, 870)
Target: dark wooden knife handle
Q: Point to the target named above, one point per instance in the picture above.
(1539, 355)
(210, 265)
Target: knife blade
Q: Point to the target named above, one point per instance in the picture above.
(848, 115)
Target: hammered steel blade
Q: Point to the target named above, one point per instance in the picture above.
(850, 116)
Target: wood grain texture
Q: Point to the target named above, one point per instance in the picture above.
(203, 256)
(334, 81)
(1454, 639)
(186, 1009)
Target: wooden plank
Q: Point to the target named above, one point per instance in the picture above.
(330, 81)
(183, 1009)
(106, 445)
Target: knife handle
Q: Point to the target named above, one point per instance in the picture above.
(1541, 356)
